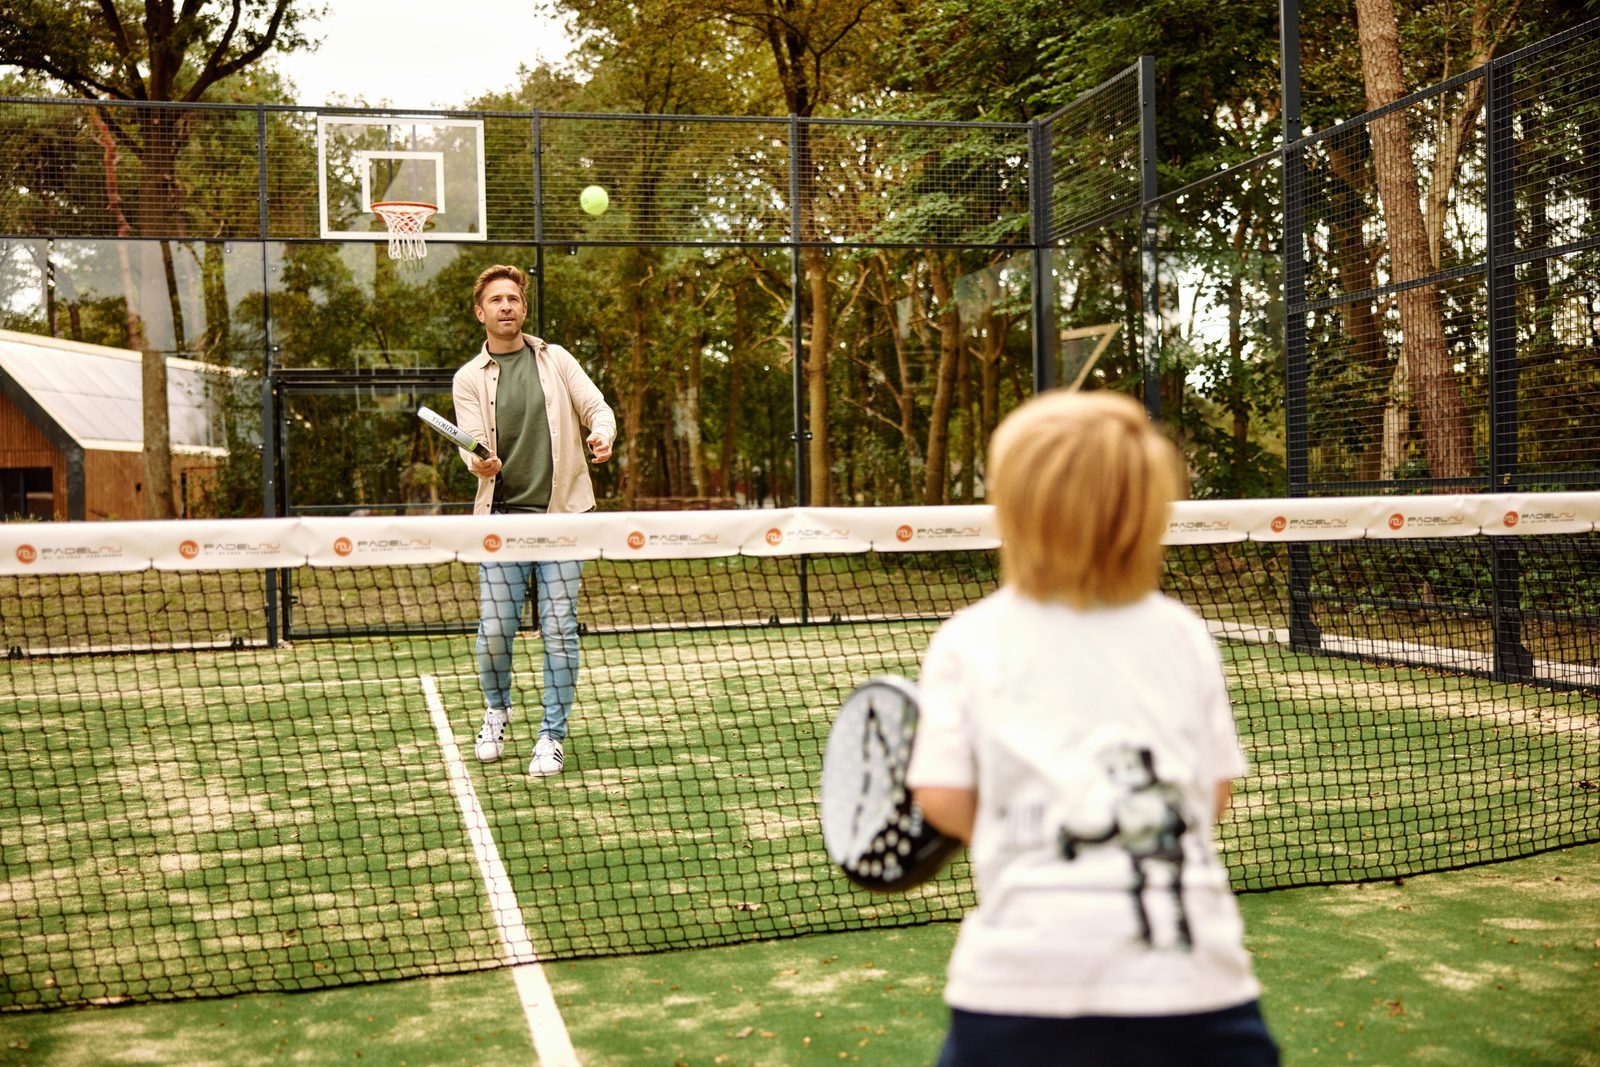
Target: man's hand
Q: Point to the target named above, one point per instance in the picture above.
(485, 468)
(600, 447)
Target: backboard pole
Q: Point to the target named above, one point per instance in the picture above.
(538, 224)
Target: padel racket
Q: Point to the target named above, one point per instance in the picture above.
(871, 827)
(453, 432)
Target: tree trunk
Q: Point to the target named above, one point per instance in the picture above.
(997, 328)
(730, 418)
(158, 498)
(632, 399)
(815, 262)
(904, 406)
(967, 446)
(691, 414)
(169, 273)
(947, 319)
(157, 453)
(160, 215)
(1237, 406)
(1433, 381)
(1352, 261)
(214, 288)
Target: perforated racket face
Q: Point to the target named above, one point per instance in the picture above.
(870, 826)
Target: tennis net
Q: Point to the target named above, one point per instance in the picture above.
(238, 755)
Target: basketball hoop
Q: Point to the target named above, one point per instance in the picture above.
(405, 219)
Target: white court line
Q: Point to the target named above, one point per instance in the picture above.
(550, 1039)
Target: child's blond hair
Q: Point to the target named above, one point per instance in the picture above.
(1082, 486)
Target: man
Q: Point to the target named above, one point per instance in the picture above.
(529, 402)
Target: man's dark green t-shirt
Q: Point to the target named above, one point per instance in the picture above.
(522, 434)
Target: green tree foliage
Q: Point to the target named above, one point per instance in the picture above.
(154, 51)
(909, 351)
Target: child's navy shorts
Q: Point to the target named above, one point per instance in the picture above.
(1233, 1037)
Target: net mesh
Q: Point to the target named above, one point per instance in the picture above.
(239, 756)
(405, 221)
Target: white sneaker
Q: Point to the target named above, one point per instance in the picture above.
(547, 757)
(492, 735)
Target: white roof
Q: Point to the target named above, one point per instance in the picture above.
(94, 393)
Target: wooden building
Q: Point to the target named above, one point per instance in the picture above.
(72, 428)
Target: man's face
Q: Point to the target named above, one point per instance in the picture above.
(501, 309)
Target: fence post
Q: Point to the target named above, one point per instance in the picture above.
(1512, 660)
(1040, 186)
(1304, 634)
(802, 473)
(538, 220)
(269, 406)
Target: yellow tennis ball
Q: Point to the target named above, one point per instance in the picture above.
(594, 200)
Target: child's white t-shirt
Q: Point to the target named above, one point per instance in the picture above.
(1095, 741)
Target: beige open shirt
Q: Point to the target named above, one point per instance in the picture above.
(572, 402)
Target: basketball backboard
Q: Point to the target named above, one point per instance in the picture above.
(363, 160)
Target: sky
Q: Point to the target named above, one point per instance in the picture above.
(420, 56)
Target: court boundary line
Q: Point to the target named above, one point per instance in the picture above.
(551, 1042)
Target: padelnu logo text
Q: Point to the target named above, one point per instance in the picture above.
(492, 543)
(636, 539)
(1540, 518)
(51, 554)
(344, 546)
(536, 541)
(1281, 523)
(1398, 521)
(227, 549)
(906, 534)
(1200, 525)
(809, 535)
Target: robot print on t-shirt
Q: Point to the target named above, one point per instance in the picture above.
(1146, 821)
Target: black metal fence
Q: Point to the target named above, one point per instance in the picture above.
(839, 311)
(1441, 284)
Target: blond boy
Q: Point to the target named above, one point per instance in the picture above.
(1076, 732)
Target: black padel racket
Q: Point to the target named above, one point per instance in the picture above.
(871, 827)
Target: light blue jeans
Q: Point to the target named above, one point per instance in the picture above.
(502, 590)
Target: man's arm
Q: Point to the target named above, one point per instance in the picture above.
(590, 405)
